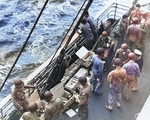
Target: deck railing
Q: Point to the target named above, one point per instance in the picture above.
(113, 10)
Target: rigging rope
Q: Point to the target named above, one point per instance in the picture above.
(55, 70)
(24, 44)
(73, 26)
(73, 31)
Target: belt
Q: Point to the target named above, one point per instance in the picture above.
(131, 75)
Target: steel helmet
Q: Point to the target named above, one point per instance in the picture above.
(117, 61)
(48, 95)
(82, 79)
(124, 46)
(131, 56)
(144, 15)
(104, 34)
(18, 82)
(100, 51)
(135, 20)
(32, 107)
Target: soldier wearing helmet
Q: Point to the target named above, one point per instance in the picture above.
(53, 108)
(134, 35)
(104, 34)
(97, 69)
(132, 74)
(116, 78)
(32, 107)
(106, 43)
(84, 96)
(122, 53)
(18, 96)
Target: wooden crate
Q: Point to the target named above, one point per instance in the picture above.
(36, 98)
(66, 97)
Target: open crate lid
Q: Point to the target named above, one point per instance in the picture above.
(34, 97)
(58, 90)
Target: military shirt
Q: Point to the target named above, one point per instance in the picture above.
(84, 94)
(29, 116)
(19, 99)
(123, 56)
(91, 21)
(117, 76)
(97, 65)
(104, 42)
(132, 68)
(87, 32)
(53, 109)
(123, 26)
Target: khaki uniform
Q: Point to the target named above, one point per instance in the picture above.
(144, 30)
(83, 104)
(122, 55)
(53, 109)
(29, 116)
(123, 28)
(147, 23)
(116, 78)
(104, 42)
(132, 77)
(19, 100)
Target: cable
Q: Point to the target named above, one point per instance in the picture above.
(24, 44)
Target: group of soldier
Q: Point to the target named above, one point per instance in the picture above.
(53, 107)
(128, 59)
(28, 111)
(124, 78)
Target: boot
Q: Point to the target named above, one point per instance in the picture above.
(110, 107)
(118, 104)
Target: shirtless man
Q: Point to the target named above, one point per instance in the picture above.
(134, 35)
(135, 13)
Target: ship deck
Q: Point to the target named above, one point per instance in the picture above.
(129, 108)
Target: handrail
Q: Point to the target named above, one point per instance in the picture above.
(145, 4)
(110, 8)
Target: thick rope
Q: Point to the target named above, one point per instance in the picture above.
(69, 39)
(24, 45)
